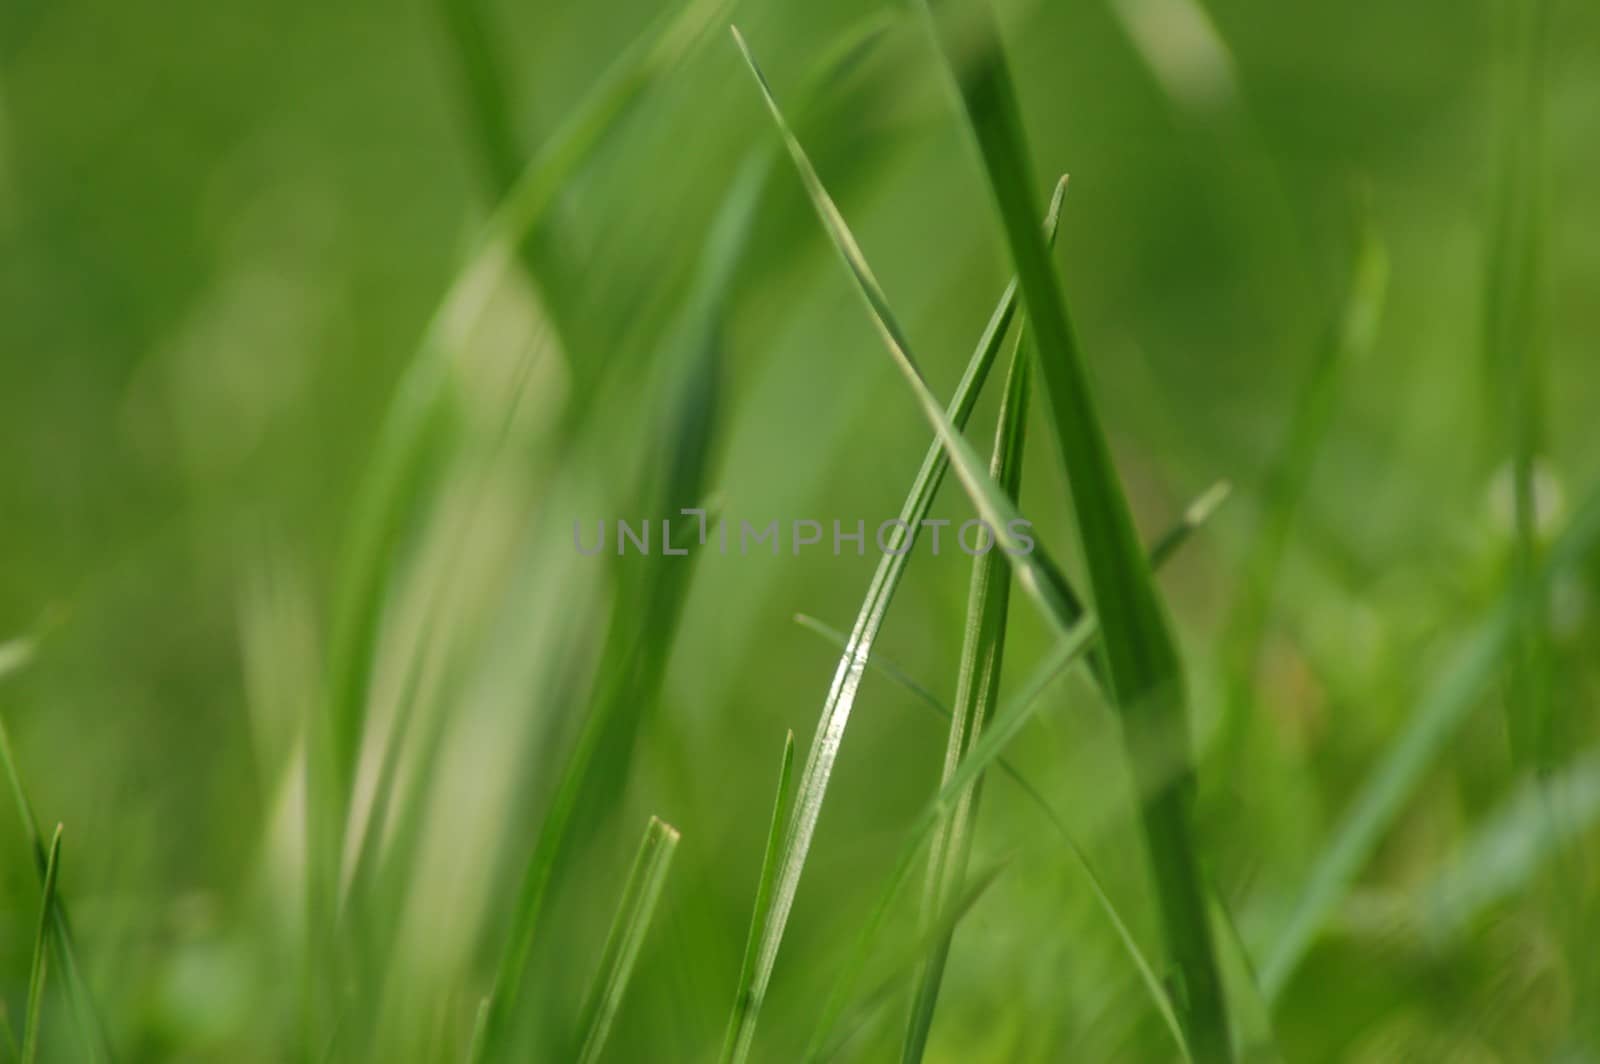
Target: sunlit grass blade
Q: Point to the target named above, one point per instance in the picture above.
(781, 806)
(836, 709)
(1146, 677)
(41, 953)
(1450, 697)
(634, 913)
(977, 690)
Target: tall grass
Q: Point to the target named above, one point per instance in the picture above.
(814, 777)
(1146, 677)
(419, 848)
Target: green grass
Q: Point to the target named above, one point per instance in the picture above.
(977, 690)
(741, 1025)
(1455, 691)
(847, 678)
(1146, 677)
(634, 913)
(326, 335)
(55, 924)
(41, 954)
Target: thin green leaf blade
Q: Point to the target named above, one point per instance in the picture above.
(14, 655)
(634, 914)
(1017, 711)
(847, 677)
(977, 691)
(736, 1041)
(1141, 656)
(41, 953)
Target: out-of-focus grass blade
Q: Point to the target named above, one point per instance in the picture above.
(769, 868)
(1194, 518)
(1514, 345)
(1146, 676)
(14, 655)
(41, 953)
(415, 408)
(634, 912)
(488, 105)
(641, 635)
(847, 677)
(1448, 700)
(939, 931)
(1348, 341)
(1503, 855)
(418, 416)
(977, 690)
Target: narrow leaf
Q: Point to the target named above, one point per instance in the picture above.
(1145, 674)
(941, 930)
(737, 1025)
(95, 1042)
(634, 913)
(41, 953)
(818, 768)
(977, 690)
(1017, 711)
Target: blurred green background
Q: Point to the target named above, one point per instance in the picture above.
(224, 228)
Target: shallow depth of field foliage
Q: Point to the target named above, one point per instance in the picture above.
(323, 325)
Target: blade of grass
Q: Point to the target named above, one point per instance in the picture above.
(1514, 346)
(41, 953)
(96, 1043)
(940, 930)
(634, 913)
(1194, 517)
(1163, 794)
(413, 428)
(1146, 676)
(643, 638)
(1442, 708)
(640, 637)
(769, 868)
(13, 1050)
(818, 768)
(977, 690)
(1017, 711)
(1506, 852)
(1036, 574)
(1349, 339)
